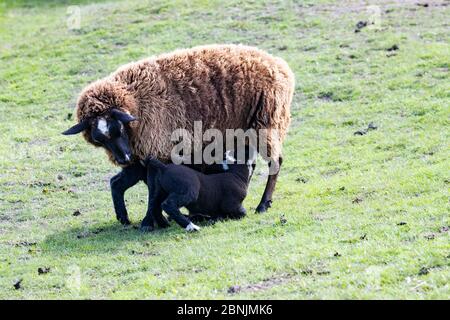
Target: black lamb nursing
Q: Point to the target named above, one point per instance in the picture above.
(215, 195)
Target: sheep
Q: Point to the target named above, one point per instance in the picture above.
(224, 86)
(215, 195)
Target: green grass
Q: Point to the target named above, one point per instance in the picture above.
(365, 215)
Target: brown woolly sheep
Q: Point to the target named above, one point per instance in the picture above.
(224, 86)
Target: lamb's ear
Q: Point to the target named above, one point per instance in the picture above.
(252, 154)
(83, 125)
(122, 116)
(229, 158)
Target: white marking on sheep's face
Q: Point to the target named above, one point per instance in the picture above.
(110, 133)
(102, 126)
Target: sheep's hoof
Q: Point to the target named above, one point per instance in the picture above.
(263, 206)
(124, 221)
(146, 228)
(192, 227)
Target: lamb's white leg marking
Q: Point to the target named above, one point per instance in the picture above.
(103, 126)
(192, 227)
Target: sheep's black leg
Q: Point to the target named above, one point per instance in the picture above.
(266, 200)
(172, 206)
(120, 183)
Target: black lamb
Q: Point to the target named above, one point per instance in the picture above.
(214, 195)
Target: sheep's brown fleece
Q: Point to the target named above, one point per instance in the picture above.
(225, 86)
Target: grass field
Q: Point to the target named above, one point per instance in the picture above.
(355, 215)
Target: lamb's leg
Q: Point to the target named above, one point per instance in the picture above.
(120, 183)
(155, 196)
(156, 211)
(239, 213)
(147, 223)
(157, 214)
(198, 217)
(266, 199)
(234, 211)
(172, 206)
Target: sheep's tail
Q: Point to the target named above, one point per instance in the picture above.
(155, 163)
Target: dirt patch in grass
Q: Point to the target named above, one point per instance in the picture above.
(18, 284)
(263, 285)
(23, 244)
(87, 234)
(43, 270)
(364, 131)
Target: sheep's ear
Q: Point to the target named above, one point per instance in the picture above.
(122, 116)
(77, 128)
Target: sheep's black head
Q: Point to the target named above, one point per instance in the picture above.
(108, 131)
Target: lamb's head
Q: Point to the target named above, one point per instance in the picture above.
(242, 161)
(108, 131)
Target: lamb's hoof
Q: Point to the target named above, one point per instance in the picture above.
(146, 228)
(192, 227)
(124, 221)
(198, 217)
(239, 214)
(163, 223)
(238, 217)
(242, 213)
(263, 206)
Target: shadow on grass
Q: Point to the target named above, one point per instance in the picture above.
(107, 238)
